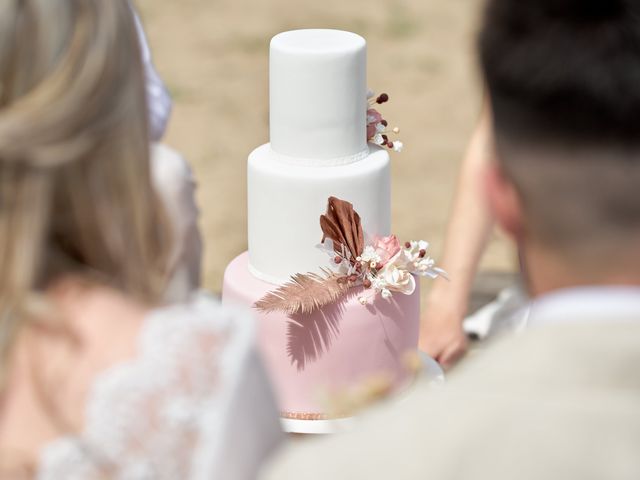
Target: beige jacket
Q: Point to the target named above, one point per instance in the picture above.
(559, 402)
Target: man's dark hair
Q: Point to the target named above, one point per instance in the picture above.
(564, 71)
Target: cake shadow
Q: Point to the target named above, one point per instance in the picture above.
(310, 336)
(387, 309)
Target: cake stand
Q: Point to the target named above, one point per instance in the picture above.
(431, 371)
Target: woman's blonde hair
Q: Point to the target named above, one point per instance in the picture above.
(75, 187)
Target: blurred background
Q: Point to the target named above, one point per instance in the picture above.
(213, 56)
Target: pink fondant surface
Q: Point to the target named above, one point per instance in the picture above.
(311, 356)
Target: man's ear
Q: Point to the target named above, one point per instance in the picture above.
(504, 201)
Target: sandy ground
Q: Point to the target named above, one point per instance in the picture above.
(213, 55)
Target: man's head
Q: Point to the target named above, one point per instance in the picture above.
(564, 85)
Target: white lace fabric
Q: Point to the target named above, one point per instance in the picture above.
(193, 404)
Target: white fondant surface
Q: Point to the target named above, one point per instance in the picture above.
(285, 203)
(318, 94)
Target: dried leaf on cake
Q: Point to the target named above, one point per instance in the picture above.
(342, 225)
(304, 293)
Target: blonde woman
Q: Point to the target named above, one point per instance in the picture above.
(98, 379)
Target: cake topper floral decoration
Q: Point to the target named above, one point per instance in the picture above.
(377, 127)
(381, 266)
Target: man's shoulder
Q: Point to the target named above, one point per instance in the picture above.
(568, 355)
(557, 391)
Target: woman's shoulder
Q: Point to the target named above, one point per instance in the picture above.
(190, 361)
(197, 337)
(201, 316)
(105, 317)
(203, 308)
(117, 341)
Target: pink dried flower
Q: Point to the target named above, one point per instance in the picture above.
(377, 127)
(387, 248)
(373, 118)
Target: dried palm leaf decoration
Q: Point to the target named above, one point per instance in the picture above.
(342, 224)
(306, 293)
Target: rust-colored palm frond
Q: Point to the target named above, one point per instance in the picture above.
(342, 225)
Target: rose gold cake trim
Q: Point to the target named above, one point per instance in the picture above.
(310, 416)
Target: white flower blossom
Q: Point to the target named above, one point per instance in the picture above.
(378, 283)
(411, 260)
(424, 264)
(419, 245)
(398, 279)
(398, 146)
(378, 140)
(380, 127)
(369, 255)
(426, 267)
(386, 293)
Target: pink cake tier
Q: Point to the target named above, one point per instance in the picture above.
(330, 351)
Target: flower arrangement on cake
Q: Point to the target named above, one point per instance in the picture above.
(377, 127)
(381, 265)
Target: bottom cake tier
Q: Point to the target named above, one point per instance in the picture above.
(317, 357)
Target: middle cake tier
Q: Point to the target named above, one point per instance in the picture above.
(285, 202)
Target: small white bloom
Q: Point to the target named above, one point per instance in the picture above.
(378, 140)
(386, 293)
(373, 264)
(424, 264)
(426, 268)
(369, 255)
(398, 146)
(363, 300)
(378, 283)
(370, 119)
(380, 127)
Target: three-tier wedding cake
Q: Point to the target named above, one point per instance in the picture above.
(326, 322)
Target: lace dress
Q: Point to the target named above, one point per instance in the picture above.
(193, 404)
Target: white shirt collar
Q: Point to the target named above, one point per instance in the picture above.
(586, 305)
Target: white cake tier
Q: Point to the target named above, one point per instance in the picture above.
(285, 203)
(318, 96)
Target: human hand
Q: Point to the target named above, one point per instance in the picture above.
(442, 336)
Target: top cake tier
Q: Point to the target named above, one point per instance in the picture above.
(318, 96)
